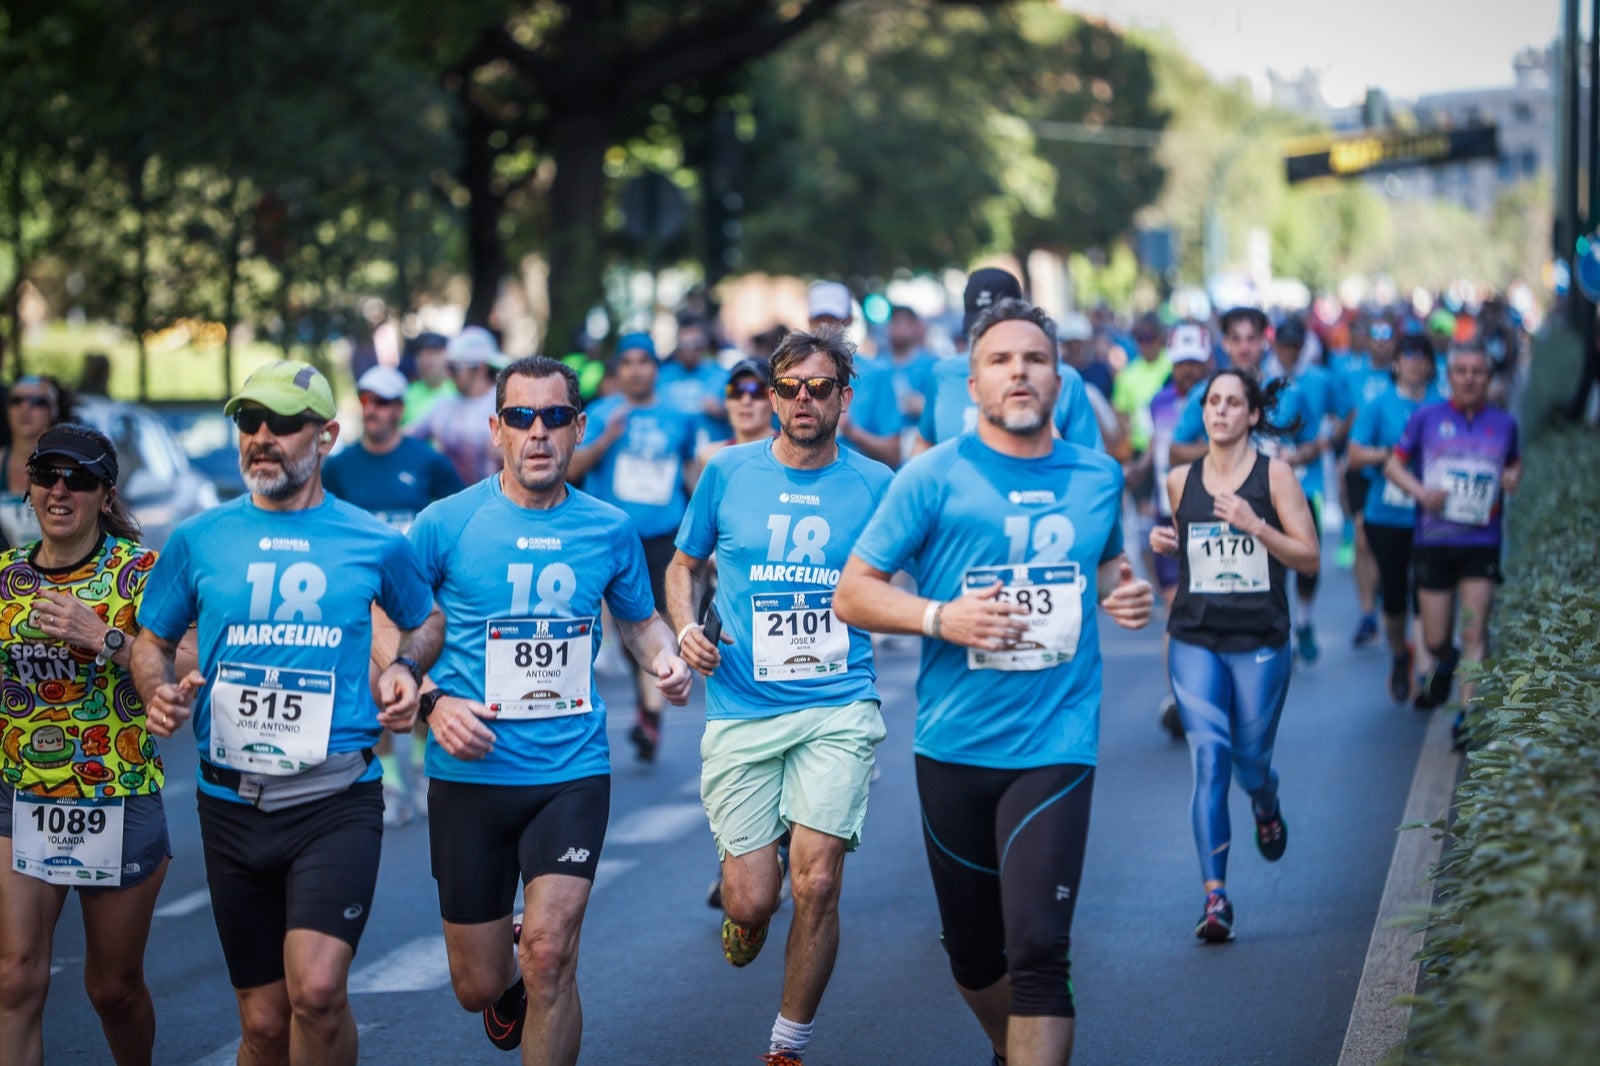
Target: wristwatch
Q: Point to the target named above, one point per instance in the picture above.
(411, 665)
(115, 641)
(426, 702)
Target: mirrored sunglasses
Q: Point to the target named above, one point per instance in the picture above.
(554, 417)
(789, 388)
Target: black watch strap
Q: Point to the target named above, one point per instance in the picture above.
(426, 702)
(411, 665)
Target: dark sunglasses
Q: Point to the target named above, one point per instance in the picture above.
(29, 401)
(789, 388)
(554, 417)
(378, 401)
(251, 419)
(748, 387)
(77, 478)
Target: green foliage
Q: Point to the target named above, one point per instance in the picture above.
(1512, 958)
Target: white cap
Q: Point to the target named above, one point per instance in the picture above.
(1074, 326)
(474, 346)
(384, 382)
(1189, 343)
(830, 299)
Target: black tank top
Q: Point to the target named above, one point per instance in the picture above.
(1229, 621)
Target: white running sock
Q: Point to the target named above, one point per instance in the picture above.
(790, 1036)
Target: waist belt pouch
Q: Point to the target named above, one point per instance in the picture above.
(273, 793)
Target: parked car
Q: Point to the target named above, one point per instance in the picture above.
(209, 438)
(158, 482)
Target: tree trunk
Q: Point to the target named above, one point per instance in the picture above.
(230, 305)
(486, 253)
(141, 268)
(578, 144)
(19, 261)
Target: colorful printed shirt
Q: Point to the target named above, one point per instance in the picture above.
(74, 729)
(1465, 455)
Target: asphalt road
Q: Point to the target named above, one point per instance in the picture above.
(656, 989)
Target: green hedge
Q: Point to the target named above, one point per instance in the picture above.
(1511, 967)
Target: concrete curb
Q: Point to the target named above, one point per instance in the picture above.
(1377, 1023)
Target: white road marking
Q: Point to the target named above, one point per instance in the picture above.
(197, 900)
(227, 1056)
(609, 869)
(419, 965)
(690, 787)
(658, 824)
(178, 789)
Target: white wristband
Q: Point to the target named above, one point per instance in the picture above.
(685, 629)
(930, 618)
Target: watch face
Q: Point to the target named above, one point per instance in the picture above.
(115, 639)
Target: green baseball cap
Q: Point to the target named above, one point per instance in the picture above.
(288, 387)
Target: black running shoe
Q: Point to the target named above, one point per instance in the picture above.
(1170, 720)
(502, 1021)
(1440, 677)
(646, 736)
(1216, 924)
(1400, 677)
(1366, 632)
(1272, 836)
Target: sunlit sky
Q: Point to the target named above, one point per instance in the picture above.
(1407, 47)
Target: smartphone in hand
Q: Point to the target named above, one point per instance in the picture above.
(711, 626)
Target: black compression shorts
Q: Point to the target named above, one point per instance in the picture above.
(308, 867)
(1391, 549)
(1005, 848)
(483, 837)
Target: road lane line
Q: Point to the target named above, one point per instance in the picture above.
(227, 1056)
(657, 824)
(419, 965)
(1377, 1023)
(609, 869)
(197, 900)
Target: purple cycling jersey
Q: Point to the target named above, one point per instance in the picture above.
(1465, 455)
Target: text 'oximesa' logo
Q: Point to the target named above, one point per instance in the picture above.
(1032, 496)
(551, 544)
(575, 855)
(284, 544)
(800, 497)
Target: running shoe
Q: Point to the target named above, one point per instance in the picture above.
(1400, 677)
(503, 1021)
(1170, 721)
(646, 736)
(1216, 924)
(740, 946)
(782, 1058)
(1305, 644)
(396, 807)
(1272, 836)
(1344, 557)
(1441, 677)
(1366, 633)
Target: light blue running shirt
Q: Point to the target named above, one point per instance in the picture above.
(528, 584)
(964, 506)
(284, 603)
(1379, 425)
(642, 473)
(781, 537)
(948, 410)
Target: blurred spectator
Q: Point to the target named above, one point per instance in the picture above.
(1076, 334)
(95, 377)
(872, 423)
(459, 425)
(432, 380)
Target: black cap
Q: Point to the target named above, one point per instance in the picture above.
(430, 340)
(1291, 330)
(985, 288)
(759, 367)
(84, 445)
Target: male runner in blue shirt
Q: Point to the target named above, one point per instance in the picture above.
(792, 711)
(282, 582)
(1012, 537)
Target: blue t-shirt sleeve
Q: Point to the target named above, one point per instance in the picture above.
(875, 408)
(1075, 419)
(1191, 427)
(405, 594)
(697, 536)
(1365, 429)
(599, 413)
(1411, 436)
(629, 592)
(897, 529)
(168, 605)
(1514, 452)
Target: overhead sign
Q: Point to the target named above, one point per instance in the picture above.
(1350, 155)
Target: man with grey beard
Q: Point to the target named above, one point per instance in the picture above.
(281, 584)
